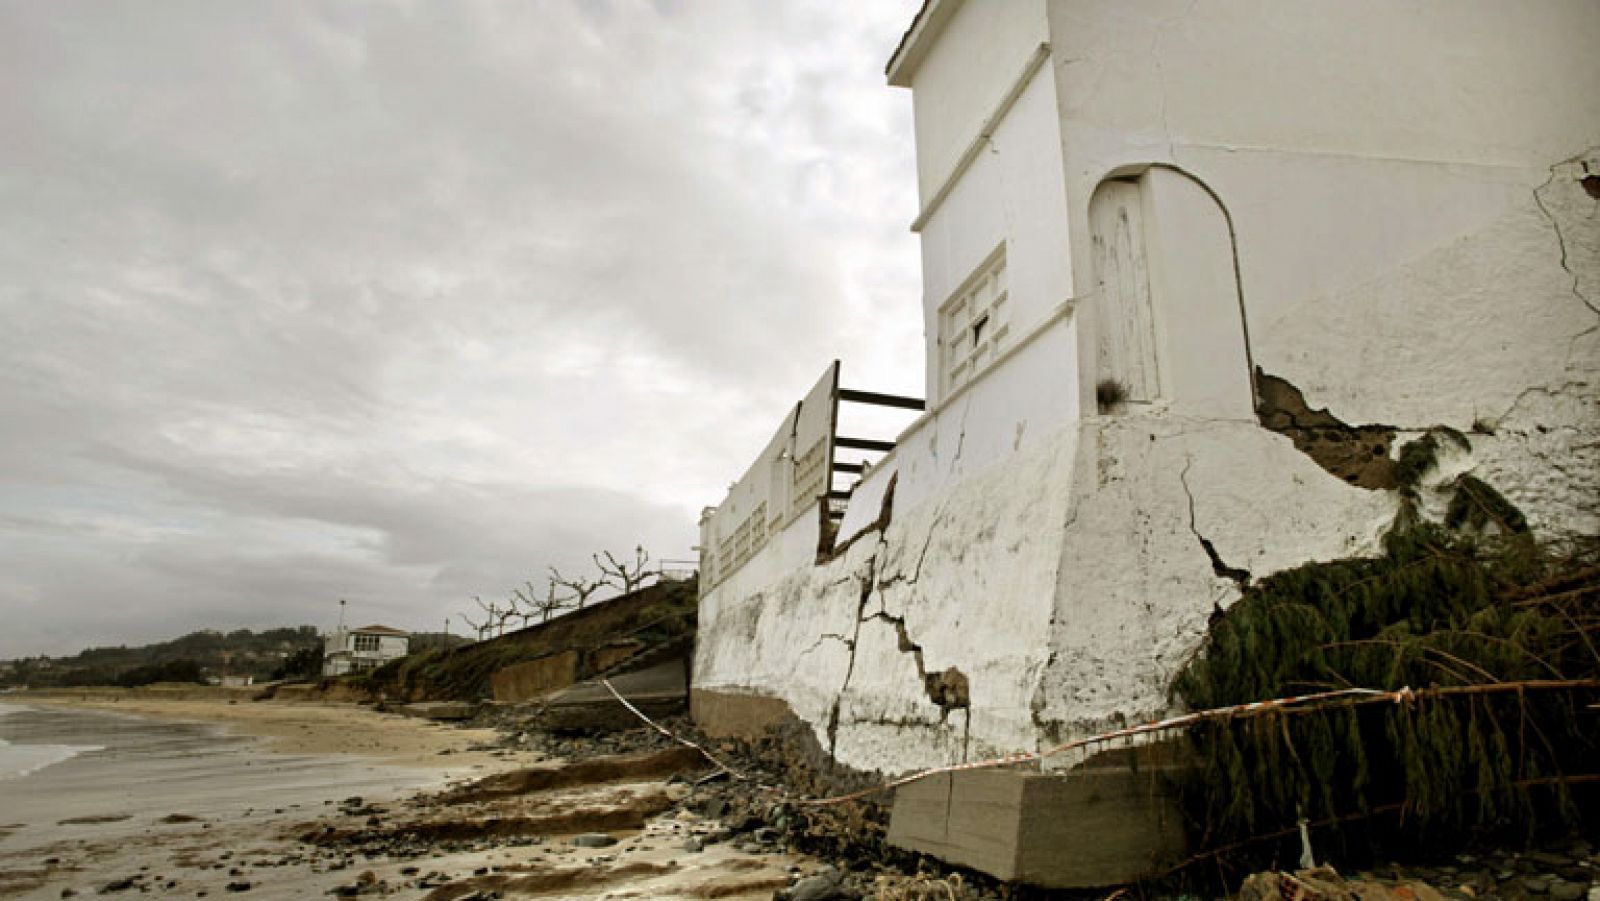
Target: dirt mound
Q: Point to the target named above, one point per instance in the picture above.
(586, 810)
(593, 771)
(734, 878)
(567, 881)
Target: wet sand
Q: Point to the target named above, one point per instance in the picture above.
(162, 790)
(290, 727)
(198, 797)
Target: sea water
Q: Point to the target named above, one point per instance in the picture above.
(19, 760)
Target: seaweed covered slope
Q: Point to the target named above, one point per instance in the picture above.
(1497, 634)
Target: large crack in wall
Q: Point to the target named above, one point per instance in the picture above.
(948, 689)
(1240, 577)
(853, 642)
(1358, 454)
(1546, 198)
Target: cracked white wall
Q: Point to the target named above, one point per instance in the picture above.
(972, 584)
(1406, 258)
(1415, 246)
(1136, 585)
(1405, 190)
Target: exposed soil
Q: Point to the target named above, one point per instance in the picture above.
(1359, 454)
(676, 760)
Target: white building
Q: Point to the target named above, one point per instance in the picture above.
(359, 650)
(1143, 221)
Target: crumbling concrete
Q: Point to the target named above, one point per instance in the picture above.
(1358, 454)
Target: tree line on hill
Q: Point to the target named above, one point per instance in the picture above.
(293, 652)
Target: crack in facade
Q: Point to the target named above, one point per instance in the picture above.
(1059, 564)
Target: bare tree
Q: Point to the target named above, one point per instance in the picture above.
(580, 587)
(524, 605)
(627, 577)
(553, 603)
(494, 618)
(502, 615)
(483, 626)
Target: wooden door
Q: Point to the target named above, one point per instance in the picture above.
(1126, 342)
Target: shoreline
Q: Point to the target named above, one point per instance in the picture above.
(202, 797)
(292, 726)
(180, 788)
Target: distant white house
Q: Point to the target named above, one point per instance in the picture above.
(358, 650)
(232, 681)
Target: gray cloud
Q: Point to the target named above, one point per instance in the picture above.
(404, 302)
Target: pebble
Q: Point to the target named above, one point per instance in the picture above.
(824, 885)
(1567, 891)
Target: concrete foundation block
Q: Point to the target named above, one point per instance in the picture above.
(1078, 829)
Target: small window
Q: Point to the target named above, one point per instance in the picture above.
(974, 323)
(366, 642)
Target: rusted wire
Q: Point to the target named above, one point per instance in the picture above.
(669, 733)
(1338, 699)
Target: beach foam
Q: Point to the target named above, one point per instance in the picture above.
(17, 761)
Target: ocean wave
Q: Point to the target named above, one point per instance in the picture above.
(17, 761)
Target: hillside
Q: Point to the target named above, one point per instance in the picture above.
(294, 651)
(191, 657)
(625, 628)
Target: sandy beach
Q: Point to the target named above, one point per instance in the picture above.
(293, 727)
(197, 796)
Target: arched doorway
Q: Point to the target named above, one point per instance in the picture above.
(1169, 316)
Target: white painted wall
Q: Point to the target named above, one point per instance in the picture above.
(1195, 293)
(340, 654)
(1380, 166)
(972, 588)
(1013, 407)
(1414, 248)
(1135, 585)
(1012, 193)
(780, 488)
(975, 59)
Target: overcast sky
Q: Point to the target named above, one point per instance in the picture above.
(404, 302)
